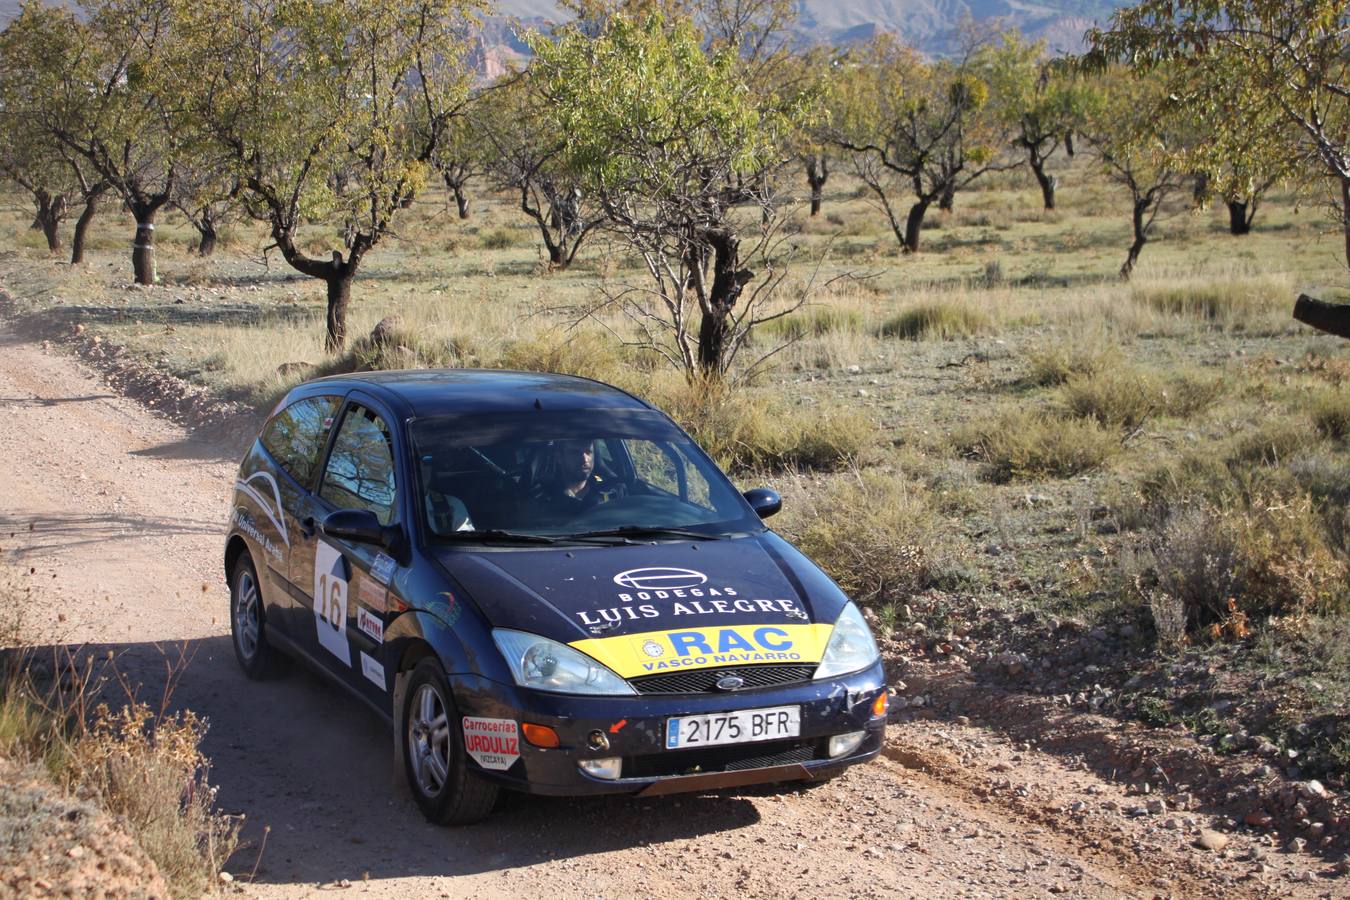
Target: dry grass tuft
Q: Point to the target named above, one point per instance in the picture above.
(936, 321)
(1331, 414)
(744, 430)
(1057, 363)
(1233, 304)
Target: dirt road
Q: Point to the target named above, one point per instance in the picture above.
(120, 515)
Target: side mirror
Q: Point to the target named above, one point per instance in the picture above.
(764, 501)
(358, 525)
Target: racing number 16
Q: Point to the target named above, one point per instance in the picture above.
(331, 605)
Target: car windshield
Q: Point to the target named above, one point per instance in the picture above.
(594, 473)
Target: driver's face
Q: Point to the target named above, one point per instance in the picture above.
(576, 459)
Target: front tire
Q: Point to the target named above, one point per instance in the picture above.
(248, 625)
(433, 753)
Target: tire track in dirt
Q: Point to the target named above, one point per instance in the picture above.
(127, 514)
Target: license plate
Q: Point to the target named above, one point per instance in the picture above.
(740, 727)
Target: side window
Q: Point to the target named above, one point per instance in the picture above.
(360, 473)
(296, 435)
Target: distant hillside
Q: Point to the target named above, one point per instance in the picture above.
(929, 25)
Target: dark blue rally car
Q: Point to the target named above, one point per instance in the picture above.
(545, 585)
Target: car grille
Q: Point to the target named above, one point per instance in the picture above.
(705, 680)
(721, 759)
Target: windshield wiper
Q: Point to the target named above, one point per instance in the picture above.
(497, 534)
(645, 531)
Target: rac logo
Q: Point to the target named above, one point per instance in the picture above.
(660, 579)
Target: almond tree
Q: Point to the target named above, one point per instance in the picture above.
(1245, 65)
(1137, 143)
(527, 157)
(671, 140)
(94, 83)
(330, 113)
(1037, 98)
(914, 127)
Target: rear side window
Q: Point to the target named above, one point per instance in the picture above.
(360, 472)
(296, 435)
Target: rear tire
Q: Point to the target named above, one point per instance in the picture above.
(248, 624)
(433, 752)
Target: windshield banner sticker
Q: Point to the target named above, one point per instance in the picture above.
(493, 743)
(635, 655)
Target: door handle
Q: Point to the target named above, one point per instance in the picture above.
(307, 526)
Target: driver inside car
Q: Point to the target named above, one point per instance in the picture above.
(567, 482)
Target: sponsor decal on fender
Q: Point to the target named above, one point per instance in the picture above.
(630, 656)
(370, 624)
(373, 671)
(492, 743)
(373, 595)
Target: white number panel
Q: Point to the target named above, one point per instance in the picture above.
(330, 601)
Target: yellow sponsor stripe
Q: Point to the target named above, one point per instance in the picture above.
(684, 649)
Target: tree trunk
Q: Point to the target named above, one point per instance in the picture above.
(82, 226)
(339, 296)
(51, 210)
(1140, 238)
(1345, 215)
(817, 173)
(461, 202)
(206, 230)
(1068, 143)
(714, 331)
(1239, 222)
(947, 199)
(1333, 318)
(1200, 189)
(1047, 182)
(143, 246)
(914, 224)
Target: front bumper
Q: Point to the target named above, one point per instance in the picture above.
(635, 729)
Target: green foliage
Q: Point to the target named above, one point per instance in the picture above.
(642, 101)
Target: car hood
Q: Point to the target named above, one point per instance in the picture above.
(652, 608)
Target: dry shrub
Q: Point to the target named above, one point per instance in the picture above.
(1025, 444)
(144, 768)
(938, 320)
(1118, 397)
(1057, 363)
(1268, 556)
(877, 535)
(743, 430)
(150, 772)
(1273, 444)
(1331, 414)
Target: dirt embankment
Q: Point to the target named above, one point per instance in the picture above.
(120, 514)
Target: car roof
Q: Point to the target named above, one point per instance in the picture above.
(431, 392)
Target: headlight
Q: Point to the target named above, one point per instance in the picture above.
(537, 662)
(851, 646)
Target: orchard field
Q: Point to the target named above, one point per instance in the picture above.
(996, 423)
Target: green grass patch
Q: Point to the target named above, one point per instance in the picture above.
(935, 321)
